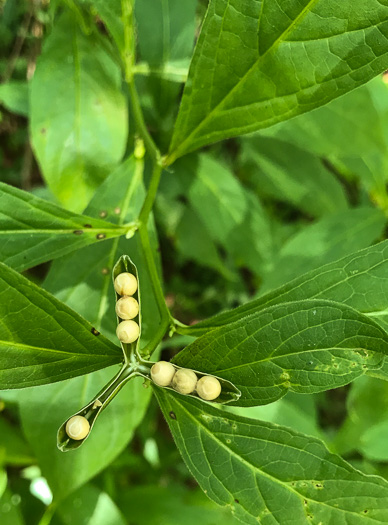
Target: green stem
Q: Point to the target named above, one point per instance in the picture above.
(48, 515)
(153, 151)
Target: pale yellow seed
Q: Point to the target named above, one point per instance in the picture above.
(128, 331)
(162, 373)
(127, 308)
(208, 388)
(125, 284)
(184, 381)
(77, 427)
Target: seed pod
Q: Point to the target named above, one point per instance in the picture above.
(127, 308)
(127, 331)
(184, 381)
(162, 373)
(125, 284)
(77, 427)
(208, 388)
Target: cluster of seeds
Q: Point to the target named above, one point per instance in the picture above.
(185, 381)
(127, 308)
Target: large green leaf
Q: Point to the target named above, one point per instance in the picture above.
(268, 474)
(42, 340)
(44, 409)
(231, 214)
(83, 279)
(325, 241)
(306, 346)
(33, 230)
(90, 505)
(171, 505)
(359, 280)
(258, 63)
(366, 425)
(78, 113)
(291, 174)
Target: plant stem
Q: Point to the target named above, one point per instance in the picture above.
(128, 57)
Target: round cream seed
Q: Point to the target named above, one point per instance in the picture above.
(184, 381)
(77, 427)
(162, 373)
(127, 308)
(208, 388)
(125, 284)
(128, 331)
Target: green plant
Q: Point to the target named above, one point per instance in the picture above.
(273, 243)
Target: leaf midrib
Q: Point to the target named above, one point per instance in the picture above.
(265, 474)
(275, 44)
(51, 350)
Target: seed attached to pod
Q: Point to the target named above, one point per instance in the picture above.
(162, 373)
(77, 427)
(127, 308)
(127, 331)
(208, 388)
(184, 381)
(125, 284)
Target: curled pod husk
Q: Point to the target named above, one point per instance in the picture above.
(93, 409)
(229, 392)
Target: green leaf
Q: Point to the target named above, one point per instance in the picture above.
(232, 216)
(306, 347)
(10, 513)
(325, 241)
(359, 280)
(42, 340)
(14, 96)
(33, 230)
(44, 409)
(194, 243)
(366, 425)
(83, 279)
(258, 63)
(78, 113)
(288, 173)
(90, 505)
(296, 411)
(269, 474)
(171, 505)
(13, 448)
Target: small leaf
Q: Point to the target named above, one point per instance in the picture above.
(33, 231)
(267, 473)
(14, 96)
(259, 63)
(42, 340)
(359, 280)
(306, 347)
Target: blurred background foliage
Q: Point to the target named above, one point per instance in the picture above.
(233, 221)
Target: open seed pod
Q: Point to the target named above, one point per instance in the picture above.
(126, 265)
(93, 409)
(229, 392)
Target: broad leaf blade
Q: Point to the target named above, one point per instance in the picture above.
(33, 231)
(359, 280)
(258, 63)
(42, 340)
(269, 474)
(78, 112)
(306, 347)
